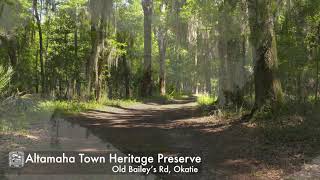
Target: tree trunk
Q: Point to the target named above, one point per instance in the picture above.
(224, 79)
(317, 81)
(110, 87)
(36, 70)
(98, 65)
(161, 35)
(146, 86)
(207, 68)
(78, 64)
(95, 60)
(317, 71)
(97, 46)
(126, 77)
(38, 21)
(267, 86)
(89, 64)
(196, 72)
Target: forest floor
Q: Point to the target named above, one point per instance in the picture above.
(230, 150)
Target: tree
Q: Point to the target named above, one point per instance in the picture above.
(38, 22)
(100, 12)
(3, 5)
(261, 20)
(146, 84)
(97, 45)
(161, 35)
(230, 51)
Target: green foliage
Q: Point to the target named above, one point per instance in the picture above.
(71, 107)
(68, 106)
(195, 29)
(13, 14)
(16, 113)
(118, 102)
(5, 77)
(206, 100)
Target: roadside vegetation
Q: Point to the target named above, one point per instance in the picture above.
(18, 112)
(252, 63)
(206, 100)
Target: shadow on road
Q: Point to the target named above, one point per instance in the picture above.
(230, 149)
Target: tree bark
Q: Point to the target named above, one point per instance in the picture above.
(38, 22)
(93, 69)
(110, 86)
(146, 86)
(36, 70)
(90, 62)
(96, 68)
(126, 77)
(317, 82)
(196, 72)
(161, 36)
(96, 50)
(267, 85)
(77, 78)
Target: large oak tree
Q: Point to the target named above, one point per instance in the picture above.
(261, 20)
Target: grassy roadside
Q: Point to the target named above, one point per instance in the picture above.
(73, 107)
(292, 125)
(17, 114)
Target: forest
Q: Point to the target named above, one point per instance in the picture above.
(238, 70)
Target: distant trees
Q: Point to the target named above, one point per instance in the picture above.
(239, 51)
(3, 5)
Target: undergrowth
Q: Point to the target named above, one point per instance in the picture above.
(17, 113)
(165, 98)
(291, 124)
(206, 100)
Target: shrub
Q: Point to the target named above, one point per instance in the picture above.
(5, 77)
(206, 100)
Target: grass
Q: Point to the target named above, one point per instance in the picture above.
(68, 106)
(158, 98)
(18, 114)
(119, 102)
(72, 107)
(165, 98)
(206, 100)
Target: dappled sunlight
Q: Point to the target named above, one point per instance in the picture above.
(24, 135)
(237, 81)
(239, 149)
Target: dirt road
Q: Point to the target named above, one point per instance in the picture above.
(230, 150)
